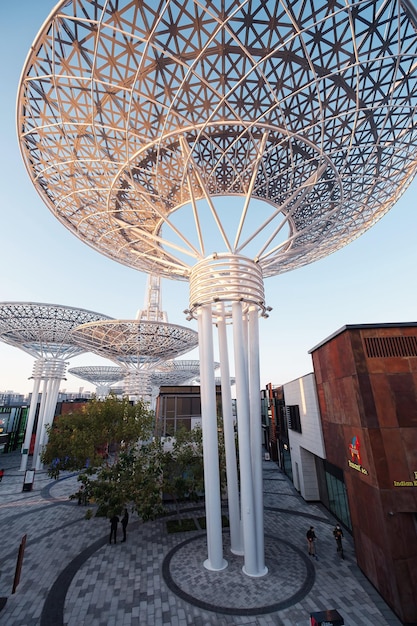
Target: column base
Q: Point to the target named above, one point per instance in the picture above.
(210, 567)
(256, 575)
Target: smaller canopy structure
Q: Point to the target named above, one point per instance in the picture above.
(102, 376)
(177, 372)
(139, 347)
(44, 331)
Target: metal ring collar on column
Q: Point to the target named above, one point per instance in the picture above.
(226, 278)
(37, 370)
(53, 368)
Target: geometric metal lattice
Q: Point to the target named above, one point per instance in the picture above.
(130, 113)
(176, 372)
(190, 139)
(43, 330)
(98, 374)
(134, 344)
(102, 376)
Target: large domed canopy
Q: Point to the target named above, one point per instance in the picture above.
(44, 330)
(134, 343)
(139, 120)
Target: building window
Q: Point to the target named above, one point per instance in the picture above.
(177, 412)
(293, 417)
(337, 495)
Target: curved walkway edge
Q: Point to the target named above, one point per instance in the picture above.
(71, 575)
(53, 609)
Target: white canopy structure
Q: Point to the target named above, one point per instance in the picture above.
(138, 347)
(102, 376)
(222, 143)
(44, 331)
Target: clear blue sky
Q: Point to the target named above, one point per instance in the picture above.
(371, 280)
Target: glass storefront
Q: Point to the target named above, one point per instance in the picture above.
(335, 495)
(12, 426)
(286, 461)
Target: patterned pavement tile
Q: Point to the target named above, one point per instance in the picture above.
(71, 576)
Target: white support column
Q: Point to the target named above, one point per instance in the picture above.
(37, 373)
(53, 372)
(256, 434)
(137, 385)
(39, 426)
(229, 438)
(215, 560)
(36, 463)
(237, 283)
(52, 397)
(243, 423)
(154, 395)
(102, 391)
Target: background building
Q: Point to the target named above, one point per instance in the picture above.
(180, 407)
(367, 389)
(304, 435)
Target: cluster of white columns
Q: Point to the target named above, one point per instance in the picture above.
(137, 384)
(50, 372)
(229, 289)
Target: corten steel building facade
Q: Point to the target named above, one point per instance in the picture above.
(366, 378)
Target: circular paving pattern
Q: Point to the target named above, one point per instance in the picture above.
(290, 577)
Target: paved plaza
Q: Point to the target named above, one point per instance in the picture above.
(71, 576)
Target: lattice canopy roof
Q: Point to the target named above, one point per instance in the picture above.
(177, 372)
(138, 119)
(98, 374)
(135, 344)
(43, 330)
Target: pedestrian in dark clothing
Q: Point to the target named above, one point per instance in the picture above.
(125, 520)
(113, 528)
(311, 538)
(338, 534)
(81, 496)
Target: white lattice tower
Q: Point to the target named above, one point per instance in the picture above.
(152, 310)
(43, 330)
(264, 134)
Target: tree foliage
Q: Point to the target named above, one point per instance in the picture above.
(88, 438)
(134, 479)
(140, 471)
(182, 466)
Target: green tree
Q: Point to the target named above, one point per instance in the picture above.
(137, 471)
(135, 478)
(96, 435)
(182, 466)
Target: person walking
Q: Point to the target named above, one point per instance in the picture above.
(113, 528)
(125, 521)
(81, 496)
(338, 535)
(311, 538)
